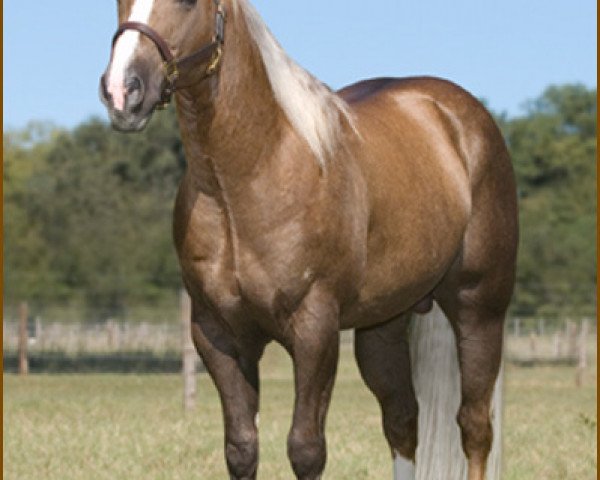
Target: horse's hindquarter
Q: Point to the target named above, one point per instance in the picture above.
(419, 193)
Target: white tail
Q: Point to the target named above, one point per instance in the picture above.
(437, 383)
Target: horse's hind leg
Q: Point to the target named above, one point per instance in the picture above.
(476, 291)
(383, 359)
(479, 341)
(475, 296)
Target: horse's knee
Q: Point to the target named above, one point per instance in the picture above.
(476, 430)
(400, 425)
(307, 454)
(241, 451)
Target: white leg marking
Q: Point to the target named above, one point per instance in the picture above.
(257, 420)
(124, 50)
(404, 469)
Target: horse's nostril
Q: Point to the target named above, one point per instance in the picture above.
(133, 84)
(104, 93)
(134, 91)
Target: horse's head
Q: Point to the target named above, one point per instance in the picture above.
(158, 42)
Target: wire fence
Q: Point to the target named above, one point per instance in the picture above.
(107, 347)
(145, 344)
(107, 337)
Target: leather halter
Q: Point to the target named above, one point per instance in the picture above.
(174, 67)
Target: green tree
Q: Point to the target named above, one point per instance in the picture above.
(27, 263)
(554, 152)
(97, 206)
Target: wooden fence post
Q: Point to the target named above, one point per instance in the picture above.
(23, 338)
(532, 345)
(188, 353)
(582, 361)
(571, 339)
(557, 345)
(111, 334)
(38, 329)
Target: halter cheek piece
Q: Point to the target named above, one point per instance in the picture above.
(174, 67)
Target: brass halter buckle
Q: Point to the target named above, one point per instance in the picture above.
(171, 72)
(214, 63)
(171, 76)
(218, 38)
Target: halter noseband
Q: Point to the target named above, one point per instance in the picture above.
(209, 54)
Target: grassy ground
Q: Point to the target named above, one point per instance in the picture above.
(128, 427)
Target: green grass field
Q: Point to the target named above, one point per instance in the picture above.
(62, 427)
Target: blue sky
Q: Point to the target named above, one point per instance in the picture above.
(505, 51)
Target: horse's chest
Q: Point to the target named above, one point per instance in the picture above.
(207, 267)
(244, 292)
(256, 261)
(236, 277)
(200, 233)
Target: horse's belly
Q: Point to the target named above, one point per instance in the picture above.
(380, 305)
(383, 300)
(409, 251)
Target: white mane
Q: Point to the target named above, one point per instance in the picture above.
(314, 111)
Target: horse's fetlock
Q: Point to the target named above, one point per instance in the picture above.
(401, 430)
(476, 429)
(307, 455)
(242, 455)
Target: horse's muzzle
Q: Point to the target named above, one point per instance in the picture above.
(127, 114)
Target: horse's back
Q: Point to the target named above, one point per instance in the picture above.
(463, 116)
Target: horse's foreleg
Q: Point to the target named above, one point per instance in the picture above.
(383, 358)
(235, 374)
(314, 346)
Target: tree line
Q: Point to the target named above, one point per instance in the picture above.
(87, 211)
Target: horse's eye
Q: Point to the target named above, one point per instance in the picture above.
(187, 3)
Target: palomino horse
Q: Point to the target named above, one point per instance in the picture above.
(304, 211)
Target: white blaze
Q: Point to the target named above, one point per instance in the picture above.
(124, 50)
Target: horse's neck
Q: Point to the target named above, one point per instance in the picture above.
(231, 123)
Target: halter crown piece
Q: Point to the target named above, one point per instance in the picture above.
(173, 68)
